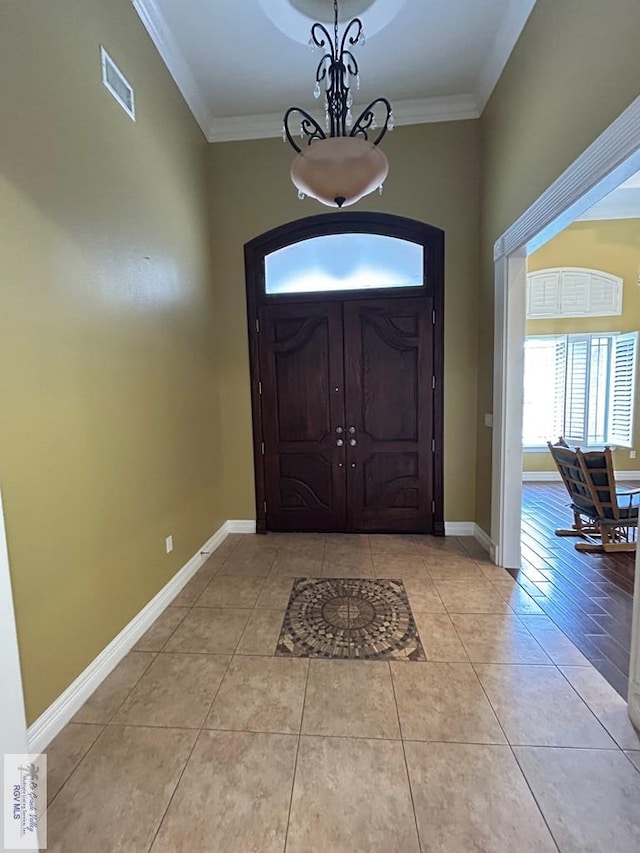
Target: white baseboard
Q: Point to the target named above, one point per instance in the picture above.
(554, 476)
(458, 528)
(52, 721)
(470, 528)
(540, 476)
(240, 525)
(484, 539)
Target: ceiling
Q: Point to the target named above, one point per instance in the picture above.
(621, 203)
(240, 63)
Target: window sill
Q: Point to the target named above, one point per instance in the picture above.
(584, 447)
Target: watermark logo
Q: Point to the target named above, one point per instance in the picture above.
(25, 801)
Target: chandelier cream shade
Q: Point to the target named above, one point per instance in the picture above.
(339, 171)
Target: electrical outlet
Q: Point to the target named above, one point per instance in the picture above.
(632, 454)
(168, 543)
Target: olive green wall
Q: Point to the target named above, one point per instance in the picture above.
(612, 246)
(434, 178)
(109, 436)
(573, 71)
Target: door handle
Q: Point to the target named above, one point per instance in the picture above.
(352, 442)
(352, 430)
(339, 442)
(339, 430)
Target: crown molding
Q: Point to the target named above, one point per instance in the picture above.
(427, 110)
(421, 111)
(236, 128)
(508, 33)
(158, 29)
(269, 125)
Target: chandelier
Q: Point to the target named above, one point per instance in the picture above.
(340, 163)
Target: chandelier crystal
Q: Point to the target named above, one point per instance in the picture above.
(340, 163)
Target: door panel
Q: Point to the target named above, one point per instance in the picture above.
(301, 365)
(389, 407)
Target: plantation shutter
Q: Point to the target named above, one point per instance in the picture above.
(540, 391)
(560, 383)
(622, 389)
(576, 384)
(543, 294)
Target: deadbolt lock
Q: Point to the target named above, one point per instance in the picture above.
(352, 442)
(352, 430)
(339, 442)
(339, 430)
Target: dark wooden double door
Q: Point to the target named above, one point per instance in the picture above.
(347, 414)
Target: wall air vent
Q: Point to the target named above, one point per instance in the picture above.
(117, 84)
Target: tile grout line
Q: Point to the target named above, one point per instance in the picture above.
(66, 781)
(590, 709)
(195, 742)
(602, 749)
(133, 686)
(503, 663)
(546, 616)
(404, 753)
(515, 758)
(295, 763)
(535, 799)
(161, 649)
(633, 764)
(199, 731)
(558, 667)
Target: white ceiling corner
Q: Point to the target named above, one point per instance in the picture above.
(173, 58)
(178, 45)
(508, 33)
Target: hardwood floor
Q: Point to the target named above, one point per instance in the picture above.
(588, 596)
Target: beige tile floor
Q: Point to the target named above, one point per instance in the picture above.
(505, 739)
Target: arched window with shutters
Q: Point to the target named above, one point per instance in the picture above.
(573, 292)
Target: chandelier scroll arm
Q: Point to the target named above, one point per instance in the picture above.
(364, 123)
(320, 37)
(350, 63)
(355, 27)
(324, 68)
(308, 126)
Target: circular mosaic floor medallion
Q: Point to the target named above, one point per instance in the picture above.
(361, 618)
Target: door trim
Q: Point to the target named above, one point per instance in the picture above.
(255, 251)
